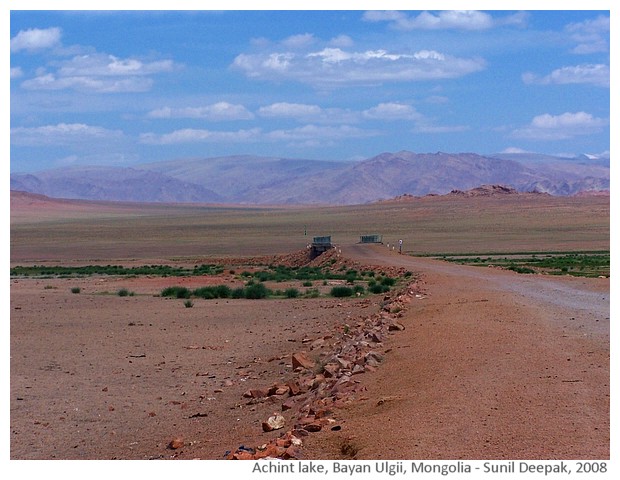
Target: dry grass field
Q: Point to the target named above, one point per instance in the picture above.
(79, 231)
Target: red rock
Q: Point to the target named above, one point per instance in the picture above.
(313, 427)
(294, 388)
(288, 404)
(301, 359)
(242, 455)
(256, 393)
(291, 453)
(331, 369)
(176, 442)
(283, 442)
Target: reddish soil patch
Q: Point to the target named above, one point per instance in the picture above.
(491, 364)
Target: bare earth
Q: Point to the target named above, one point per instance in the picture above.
(491, 365)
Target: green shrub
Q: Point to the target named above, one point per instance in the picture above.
(291, 293)
(307, 283)
(176, 292)
(341, 292)
(188, 304)
(358, 289)
(123, 292)
(76, 290)
(238, 293)
(256, 291)
(378, 288)
(218, 291)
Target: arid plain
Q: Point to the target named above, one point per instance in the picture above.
(489, 363)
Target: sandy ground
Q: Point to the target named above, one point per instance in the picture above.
(491, 365)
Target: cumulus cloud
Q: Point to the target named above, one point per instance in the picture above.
(290, 110)
(343, 41)
(591, 36)
(334, 66)
(62, 134)
(597, 74)
(560, 127)
(50, 81)
(35, 39)
(299, 41)
(100, 73)
(302, 112)
(220, 111)
(192, 135)
(448, 19)
(392, 111)
(305, 133)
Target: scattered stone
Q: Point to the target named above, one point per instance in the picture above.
(256, 393)
(294, 388)
(301, 359)
(315, 395)
(176, 443)
(396, 326)
(275, 422)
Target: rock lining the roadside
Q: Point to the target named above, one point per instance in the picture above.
(329, 380)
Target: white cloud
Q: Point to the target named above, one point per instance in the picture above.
(560, 127)
(425, 127)
(597, 74)
(62, 134)
(307, 133)
(302, 112)
(191, 135)
(342, 41)
(35, 39)
(220, 111)
(294, 110)
(100, 73)
(514, 150)
(101, 64)
(591, 36)
(448, 19)
(335, 66)
(299, 41)
(392, 111)
(316, 132)
(50, 81)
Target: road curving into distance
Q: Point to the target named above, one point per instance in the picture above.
(492, 365)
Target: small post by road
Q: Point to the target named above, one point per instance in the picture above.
(400, 246)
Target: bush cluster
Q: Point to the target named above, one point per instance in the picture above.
(252, 291)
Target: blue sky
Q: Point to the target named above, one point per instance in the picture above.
(121, 88)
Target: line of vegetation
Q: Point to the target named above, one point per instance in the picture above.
(580, 264)
(251, 291)
(118, 270)
(257, 290)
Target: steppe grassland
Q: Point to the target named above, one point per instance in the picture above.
(429, 225)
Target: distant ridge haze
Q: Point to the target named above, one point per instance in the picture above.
(251, 179)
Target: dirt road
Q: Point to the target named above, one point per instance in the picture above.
(492, 365)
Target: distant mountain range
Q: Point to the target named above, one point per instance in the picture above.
(272, 180)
